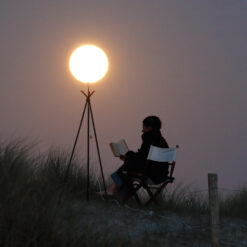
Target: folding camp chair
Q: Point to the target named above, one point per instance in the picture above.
(165, 156)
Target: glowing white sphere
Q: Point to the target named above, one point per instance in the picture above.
(88, 63)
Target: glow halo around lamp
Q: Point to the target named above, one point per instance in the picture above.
(88, 63)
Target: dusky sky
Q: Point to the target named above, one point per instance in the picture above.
(185, 61)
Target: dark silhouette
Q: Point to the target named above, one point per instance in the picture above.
(136, 161)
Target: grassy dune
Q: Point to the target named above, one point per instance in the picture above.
(38, 208)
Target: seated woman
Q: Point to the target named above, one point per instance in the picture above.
(136, 161)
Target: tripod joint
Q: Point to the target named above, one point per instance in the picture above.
(89, 94)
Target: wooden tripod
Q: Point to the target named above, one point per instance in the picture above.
(89, 115)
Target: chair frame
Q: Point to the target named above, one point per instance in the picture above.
(141, 181)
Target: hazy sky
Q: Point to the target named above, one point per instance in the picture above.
(185, 61)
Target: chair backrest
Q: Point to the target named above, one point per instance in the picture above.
(162, 154)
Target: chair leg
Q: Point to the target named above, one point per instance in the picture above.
(153, 197)
(137, 199)
(136, 188)
(134, 193)
(160, 189)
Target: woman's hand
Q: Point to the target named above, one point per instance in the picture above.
(122, 157)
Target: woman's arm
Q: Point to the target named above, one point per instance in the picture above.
(142, 153)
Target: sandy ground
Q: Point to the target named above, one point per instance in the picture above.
(111, 224)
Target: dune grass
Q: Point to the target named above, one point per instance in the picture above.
(36, 194)
(235, 204)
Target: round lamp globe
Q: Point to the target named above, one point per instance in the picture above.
(88, 63)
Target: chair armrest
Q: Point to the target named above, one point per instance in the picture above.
(172, 169)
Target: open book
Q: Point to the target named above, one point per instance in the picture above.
(119, 148)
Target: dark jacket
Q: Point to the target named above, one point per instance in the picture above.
(137, 160)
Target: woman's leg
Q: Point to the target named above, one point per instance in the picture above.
(111, 189)
(120, 180)
(117, 182)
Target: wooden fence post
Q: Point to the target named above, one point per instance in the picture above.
(214, 209)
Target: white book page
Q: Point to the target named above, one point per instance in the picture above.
(119, 148)
(122, 147)
(116, 149)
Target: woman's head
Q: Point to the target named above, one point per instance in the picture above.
(151, 123)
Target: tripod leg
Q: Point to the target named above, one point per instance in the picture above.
(78, 132)
(88, 129)
(102, 174)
